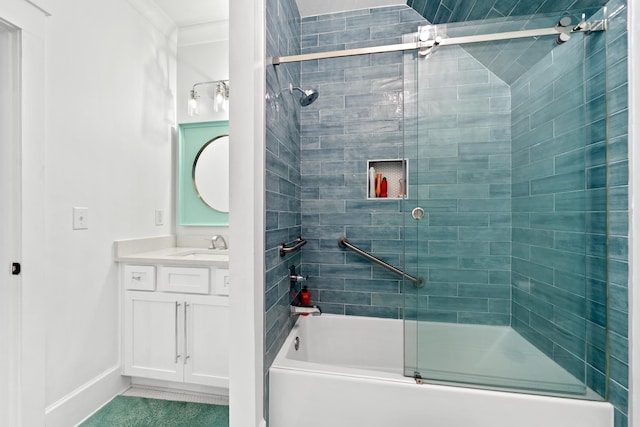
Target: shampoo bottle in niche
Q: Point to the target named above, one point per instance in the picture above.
(383, 187)
(372, 182)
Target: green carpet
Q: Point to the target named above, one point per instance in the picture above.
(124, 411)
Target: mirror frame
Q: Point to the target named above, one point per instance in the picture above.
(192, 210)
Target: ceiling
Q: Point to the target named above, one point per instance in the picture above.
(193, 12)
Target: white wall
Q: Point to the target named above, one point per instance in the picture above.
(110, 108)
(203, 55)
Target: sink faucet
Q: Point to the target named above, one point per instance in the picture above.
(298, 310)
(214, 244)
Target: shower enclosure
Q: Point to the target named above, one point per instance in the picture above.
(502, 230)
(506, 218)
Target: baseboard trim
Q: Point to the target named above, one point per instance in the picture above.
(85, 400)
(184, 387)
(175, 395)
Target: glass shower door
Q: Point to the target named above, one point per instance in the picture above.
(505, 145)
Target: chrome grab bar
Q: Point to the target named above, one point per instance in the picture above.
(418, 282)
(298, 243)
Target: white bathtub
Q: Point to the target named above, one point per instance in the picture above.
(348, 372)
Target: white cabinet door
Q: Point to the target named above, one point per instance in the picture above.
(153, 342)
(207, 340)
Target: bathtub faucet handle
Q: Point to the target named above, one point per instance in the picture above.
(295, 277)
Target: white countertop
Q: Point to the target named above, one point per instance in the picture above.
(162, 250)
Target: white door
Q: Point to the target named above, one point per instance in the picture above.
(207, 340)
(9, 224)
(153, 330)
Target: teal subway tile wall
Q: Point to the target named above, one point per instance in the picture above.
(558, 252)
(443, 11)
(358, 117)
(459, 148)
(282, 170)
(617, 204)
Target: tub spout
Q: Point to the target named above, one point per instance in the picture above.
(297, 310)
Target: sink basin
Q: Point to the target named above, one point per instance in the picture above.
(205, 254)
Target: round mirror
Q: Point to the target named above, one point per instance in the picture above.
(211, 173)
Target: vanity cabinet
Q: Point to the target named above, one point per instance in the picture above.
(178, 329)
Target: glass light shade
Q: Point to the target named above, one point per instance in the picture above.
(220, 97)
(192, 106)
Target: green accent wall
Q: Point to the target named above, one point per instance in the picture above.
(192, 211)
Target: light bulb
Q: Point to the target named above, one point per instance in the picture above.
(219, 97)
(192, 106)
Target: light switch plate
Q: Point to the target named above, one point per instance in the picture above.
(80, 218)
(159, 217)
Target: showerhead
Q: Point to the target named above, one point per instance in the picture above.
(308, 96)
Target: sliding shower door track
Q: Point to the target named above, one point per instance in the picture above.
(558, 30)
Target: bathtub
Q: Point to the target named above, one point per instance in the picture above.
(347, 372)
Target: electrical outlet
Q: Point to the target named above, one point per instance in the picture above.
(159, 217)
(80, 218)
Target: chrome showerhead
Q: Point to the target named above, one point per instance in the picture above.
(308, 96)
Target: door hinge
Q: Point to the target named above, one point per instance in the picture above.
(15, 268)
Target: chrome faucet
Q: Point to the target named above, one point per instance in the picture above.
(294, 277)
(214, 244)
(296, 310)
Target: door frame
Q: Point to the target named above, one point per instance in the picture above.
(9, 221)
(29, 22)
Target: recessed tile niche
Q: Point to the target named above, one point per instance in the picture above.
(394, 171)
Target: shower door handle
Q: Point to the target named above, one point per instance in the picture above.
(417, 213)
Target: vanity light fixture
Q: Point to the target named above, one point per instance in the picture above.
(220, 97)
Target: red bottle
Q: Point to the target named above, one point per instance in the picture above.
(383, 188)
(305, 296)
